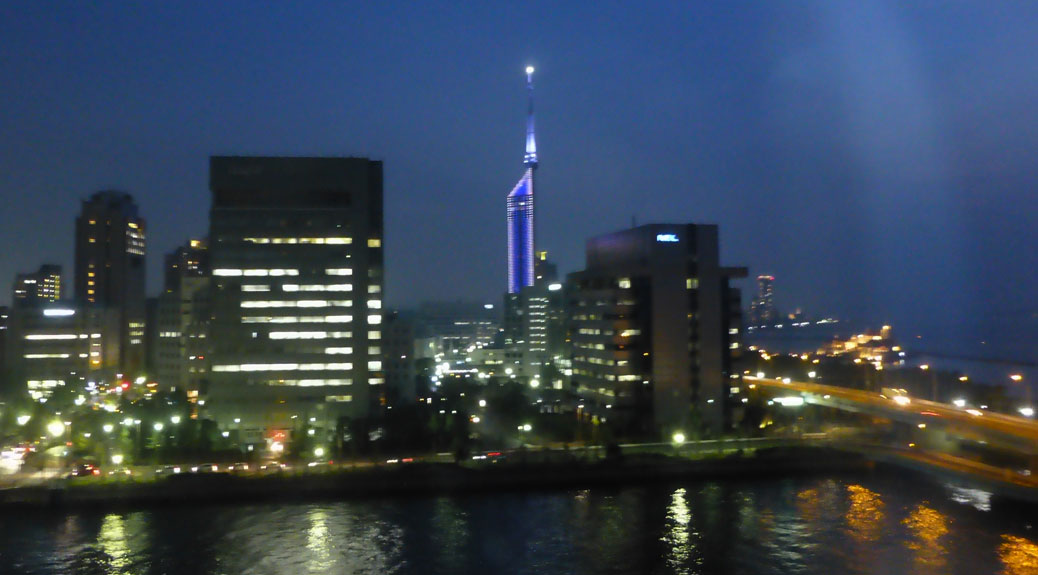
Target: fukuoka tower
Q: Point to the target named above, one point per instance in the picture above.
(520, 210)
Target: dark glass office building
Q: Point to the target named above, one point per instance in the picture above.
(655, 328)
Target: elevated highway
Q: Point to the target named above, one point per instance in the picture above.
(1009, 432)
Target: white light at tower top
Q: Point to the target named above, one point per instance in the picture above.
(529, 69)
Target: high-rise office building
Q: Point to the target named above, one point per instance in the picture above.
(41, 286)
(296, 255)
(520, 210)
(655, 328)
(110, 273)
(182, 319)
(398, 337)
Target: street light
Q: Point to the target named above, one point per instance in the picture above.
(175, 419)
(1017, 378)
(678, 438)
(933, 381)
(23, 419)
(158, 426)
(55, 428)
(108, 427)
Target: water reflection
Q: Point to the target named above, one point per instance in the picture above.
(678, 536)
(865, 515)
(112, 541)
(1019, 556)
(927, 527)
(979, 499)
(763, 528)
(808, 505)
(318, 543)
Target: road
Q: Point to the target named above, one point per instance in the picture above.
(911, 410)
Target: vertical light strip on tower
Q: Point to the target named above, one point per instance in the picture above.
(520, 209)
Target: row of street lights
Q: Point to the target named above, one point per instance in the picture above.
(1027, 410)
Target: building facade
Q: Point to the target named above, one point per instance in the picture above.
(39, 287)
(296, 256)
(182, 319)
(655, 329)
(398, 346)
(55, 345)
(110, 271)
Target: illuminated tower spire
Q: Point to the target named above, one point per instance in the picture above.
(520, 211)
(531, 144)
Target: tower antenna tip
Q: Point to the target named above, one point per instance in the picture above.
(529, 69)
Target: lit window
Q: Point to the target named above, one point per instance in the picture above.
(375, 365)
(374, 304)
(317, 287)
(624, 283)
(374, 243)
(374, 319)
(374, 335)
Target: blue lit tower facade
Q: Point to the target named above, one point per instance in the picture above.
(520, 211)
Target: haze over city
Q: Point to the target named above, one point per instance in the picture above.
(464, 287)
(878, 159)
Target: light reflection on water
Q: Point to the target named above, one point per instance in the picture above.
(928, 528)
(865, 516)
(804, 526)
(1019, 556)
(678, 537)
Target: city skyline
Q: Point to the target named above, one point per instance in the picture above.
(933, 226)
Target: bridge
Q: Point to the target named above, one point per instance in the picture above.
(932, 433)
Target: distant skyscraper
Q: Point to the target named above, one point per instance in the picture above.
(762, 308)
(41, 286)
(520, 207)
(109, 270)
(296, 251)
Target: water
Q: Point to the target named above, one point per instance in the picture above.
(881, 524)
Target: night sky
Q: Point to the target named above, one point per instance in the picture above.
(879, 158)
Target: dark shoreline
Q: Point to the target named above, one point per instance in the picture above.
(433, 479)
(428, 479)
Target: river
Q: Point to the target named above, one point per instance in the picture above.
(883, 524)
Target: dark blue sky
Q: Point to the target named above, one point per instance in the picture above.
(877, 157)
